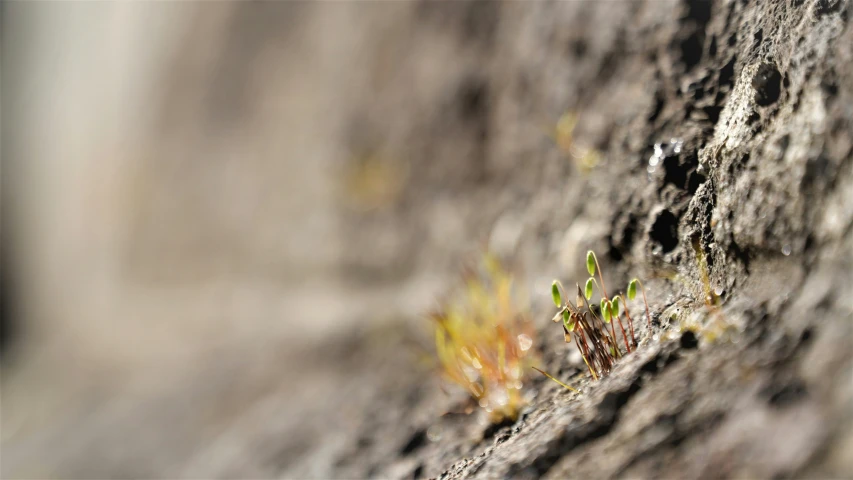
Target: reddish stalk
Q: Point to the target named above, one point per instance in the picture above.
(624, 335)
(630, 324)
(581, 340)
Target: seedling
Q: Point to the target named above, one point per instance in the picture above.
(598, 346)
(483, 340)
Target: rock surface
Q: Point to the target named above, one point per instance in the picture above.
(751, 106)
(725, 137)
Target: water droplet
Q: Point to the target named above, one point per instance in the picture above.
(476, 362)
(470, 373)
(786, 250)
(434, 433)
(499, 396)
(524, 342)
(718, 290)
(484, 402)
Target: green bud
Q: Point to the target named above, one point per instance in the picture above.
(632, 289)
(605, 310)
(590, 263)
(615, 306)
(555, 294)
(566, 316)
(588, 289)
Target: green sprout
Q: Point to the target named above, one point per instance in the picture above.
(590, 262)
(614, 305)
(605, 310)
(632, 289)
(592, 266)
(555, 294)
(588, 329)
(632, 293)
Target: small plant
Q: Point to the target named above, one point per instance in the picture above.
(563, 136)
(598, 346)
(483, 340)
(632, 293)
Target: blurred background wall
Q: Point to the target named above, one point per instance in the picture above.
(198, 196)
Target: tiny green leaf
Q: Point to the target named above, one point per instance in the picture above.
(590, 262)
(632, 289)
(588, 289)
(615, 304)
(605, 310)
(555, 294)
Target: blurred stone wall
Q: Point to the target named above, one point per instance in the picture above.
(198, 195)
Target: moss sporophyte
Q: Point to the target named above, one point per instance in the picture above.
(484, 339)
(599, 347)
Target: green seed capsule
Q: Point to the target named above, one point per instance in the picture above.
(555, 294)
(632, 289)
(605, 310)
(590, 262)
(615, 307)
(588, 289)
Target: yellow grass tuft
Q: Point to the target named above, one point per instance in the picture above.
(484, 340)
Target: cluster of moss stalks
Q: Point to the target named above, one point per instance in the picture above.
(483, 340)
(483, 337)
(598, 345)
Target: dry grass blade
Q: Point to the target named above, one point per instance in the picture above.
(555, 380)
